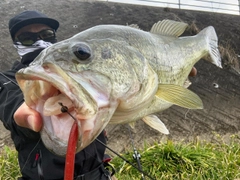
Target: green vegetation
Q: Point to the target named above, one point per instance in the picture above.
(186, 161)
(9, 169)
(192, 161)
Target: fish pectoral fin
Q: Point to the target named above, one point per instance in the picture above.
(169, 28)
(180, 96)
(154, 122)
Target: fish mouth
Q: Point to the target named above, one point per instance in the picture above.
(47, 88)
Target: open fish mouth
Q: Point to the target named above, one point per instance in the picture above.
(47, 88)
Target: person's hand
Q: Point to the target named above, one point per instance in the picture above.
(26, 117)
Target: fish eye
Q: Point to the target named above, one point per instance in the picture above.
(82, 52)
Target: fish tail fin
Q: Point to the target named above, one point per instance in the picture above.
(212, 40)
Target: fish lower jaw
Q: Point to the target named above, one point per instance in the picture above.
(56, 131)
(53, 143)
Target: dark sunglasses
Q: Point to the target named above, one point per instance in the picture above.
(29, 38)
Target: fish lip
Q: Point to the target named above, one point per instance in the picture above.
(62, 83)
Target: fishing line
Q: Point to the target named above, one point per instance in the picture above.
(125, 159)
(65, 109)
(15, 83)
(30, 154)
(136, 155)
(40, 173)
(8, 78)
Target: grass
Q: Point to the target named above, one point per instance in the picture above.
(192, 161)
(171, 161)
(229, 57)
(9, 169)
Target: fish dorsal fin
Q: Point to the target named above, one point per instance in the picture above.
(180, 96)
(154, 122)
(169, 28)
(134, 26)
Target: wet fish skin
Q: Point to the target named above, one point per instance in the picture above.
(114, 74)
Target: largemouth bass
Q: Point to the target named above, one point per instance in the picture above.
(113, 74)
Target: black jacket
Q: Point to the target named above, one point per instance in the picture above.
(28, 143)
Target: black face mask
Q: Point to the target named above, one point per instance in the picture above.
(26, 60)
(29, 57)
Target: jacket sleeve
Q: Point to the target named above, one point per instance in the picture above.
(11, 98)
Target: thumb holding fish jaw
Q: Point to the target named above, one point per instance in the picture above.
(26, 117)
